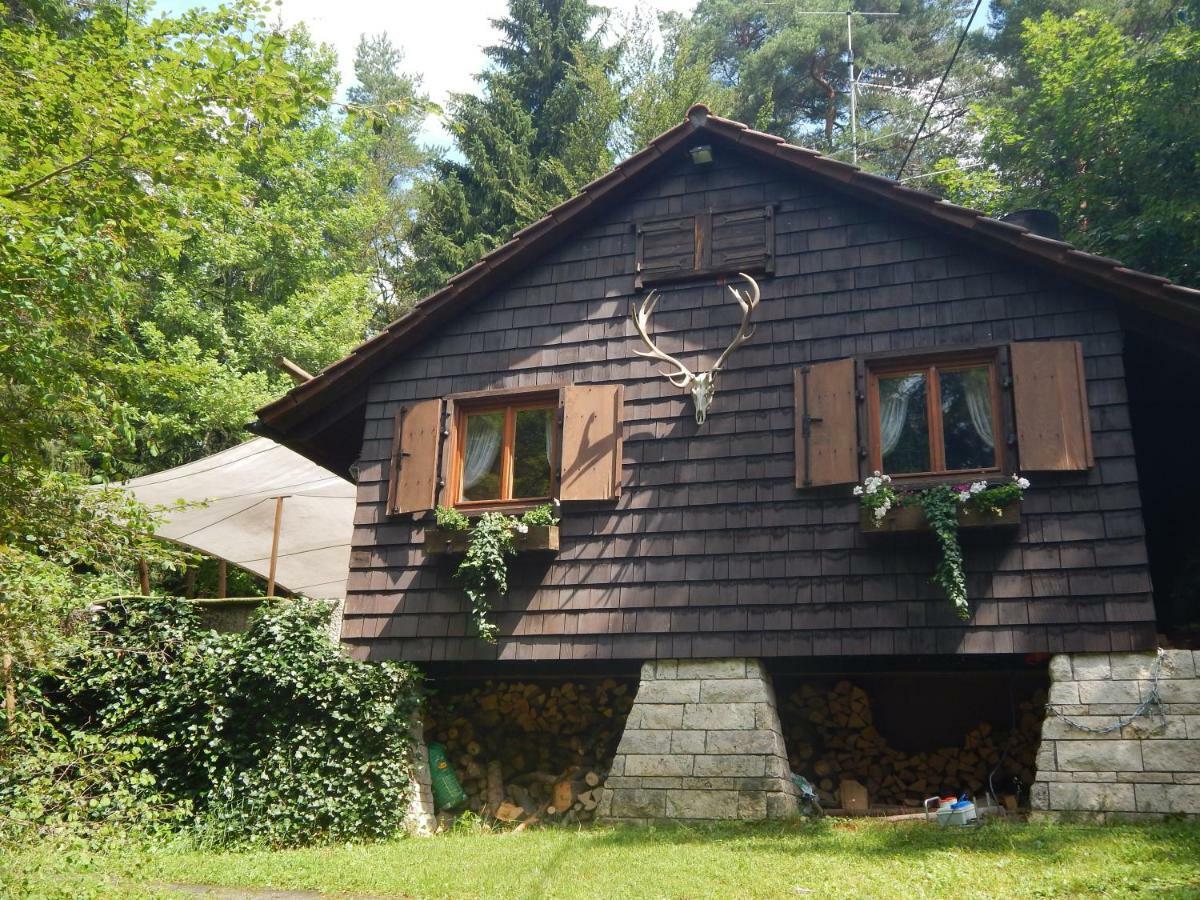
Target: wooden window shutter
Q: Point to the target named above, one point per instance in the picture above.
(413, 482)
(666, 249)
(591, 442)
(743, 240)
(826, 424)
(1050, 403)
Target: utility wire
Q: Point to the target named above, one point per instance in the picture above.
(962, 37)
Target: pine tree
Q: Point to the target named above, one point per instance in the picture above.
(538, 131)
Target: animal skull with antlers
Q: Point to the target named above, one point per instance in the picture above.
(703, 385)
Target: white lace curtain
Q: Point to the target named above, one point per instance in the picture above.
(979, 404)
(483, 445)
(894, 394)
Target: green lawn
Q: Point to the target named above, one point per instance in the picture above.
(828, 859)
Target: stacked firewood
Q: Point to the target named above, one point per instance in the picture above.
(831, 737)
(531, 751)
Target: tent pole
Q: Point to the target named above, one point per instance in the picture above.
(222, 577)
(144, 577)
(275, 546)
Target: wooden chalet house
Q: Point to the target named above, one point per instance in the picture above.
(893, 332)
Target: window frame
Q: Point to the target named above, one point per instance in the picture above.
(511, 402)
(930, 364)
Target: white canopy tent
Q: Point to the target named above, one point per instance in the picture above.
(240, 488)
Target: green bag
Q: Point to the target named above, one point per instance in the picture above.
(447, 792)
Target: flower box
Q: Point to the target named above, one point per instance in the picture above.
(912, 518)
(538, 539)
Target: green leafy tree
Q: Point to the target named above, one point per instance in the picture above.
(1098, 134)
(537, 132)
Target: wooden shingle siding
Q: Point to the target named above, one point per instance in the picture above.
(710, 549)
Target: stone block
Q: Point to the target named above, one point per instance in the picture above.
(1179, 664)
(1085, 777)
(1060, 667)
(702, 804)
(733, 690)
(1109, 692)
(1156, 729)
(1092, 797)
(1056, 729)
(1171, 756)
(663, 783)
(752, 805)
(712, 668)
(1045, 760)
(638, 804)
(687, 741)
(1186, 777)
(735, 765)
(677, 691)
(618, 765)
(1132, 666)
(782, 805)
(777, 767)
(766, 717)
(668, 764)
(622, 781)
(1039, 795)
(653, 716)
(1179, 691)
(1091, 666)
(1063, 692)
(665, 669)
(1168, 798)
(1146, 777)
(1192, 724)
(640, 741)
(763, 742)
(718, 716)
(1095, 756)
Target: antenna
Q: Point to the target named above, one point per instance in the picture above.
(850, 14)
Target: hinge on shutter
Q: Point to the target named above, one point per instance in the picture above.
(806, 423)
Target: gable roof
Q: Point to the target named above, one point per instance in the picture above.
(306, 414)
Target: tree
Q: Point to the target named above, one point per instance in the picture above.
(789, 71)
(659, 84)
(538, 131)
(1096, 132)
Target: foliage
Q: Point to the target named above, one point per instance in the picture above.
(272, 736)
(1093, 129)
(483, 572)
(940, 505)
(749, 860)
(537, 132)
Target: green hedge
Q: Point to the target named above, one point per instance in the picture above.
(269, 736)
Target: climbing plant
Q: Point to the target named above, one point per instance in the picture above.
(483, 573)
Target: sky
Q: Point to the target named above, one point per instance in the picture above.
(443, 40)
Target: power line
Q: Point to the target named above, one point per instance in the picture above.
(962, 37)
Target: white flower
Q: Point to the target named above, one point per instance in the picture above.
(521, 528)
(978, 486)
(887, 478)
(964, 496)
(858, 490)
(872, 486)
(877, 473)
(1022, 483)
(880, 512)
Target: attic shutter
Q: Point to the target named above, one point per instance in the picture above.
(743, 240)
(666, 248)
(591, 442)
(827, 446)
(1050, 403)
(413, 483)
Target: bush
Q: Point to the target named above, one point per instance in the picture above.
(271, 736)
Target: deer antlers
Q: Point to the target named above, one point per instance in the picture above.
(702, 385)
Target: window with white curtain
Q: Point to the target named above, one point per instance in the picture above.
(505, 453)
(935, 416)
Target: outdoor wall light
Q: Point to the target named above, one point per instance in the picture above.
(702, 155)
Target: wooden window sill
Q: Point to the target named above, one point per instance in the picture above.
(538, 539)
(907, 519)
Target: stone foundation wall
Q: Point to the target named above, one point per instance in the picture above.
(702, 742)
(1147, 769)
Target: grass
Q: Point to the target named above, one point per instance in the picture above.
(825, 859)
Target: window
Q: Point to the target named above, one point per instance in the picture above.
(505, 452)
(933, 417)
(706, 243)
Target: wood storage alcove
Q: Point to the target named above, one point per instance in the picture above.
(906, 733)
(533, 745)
